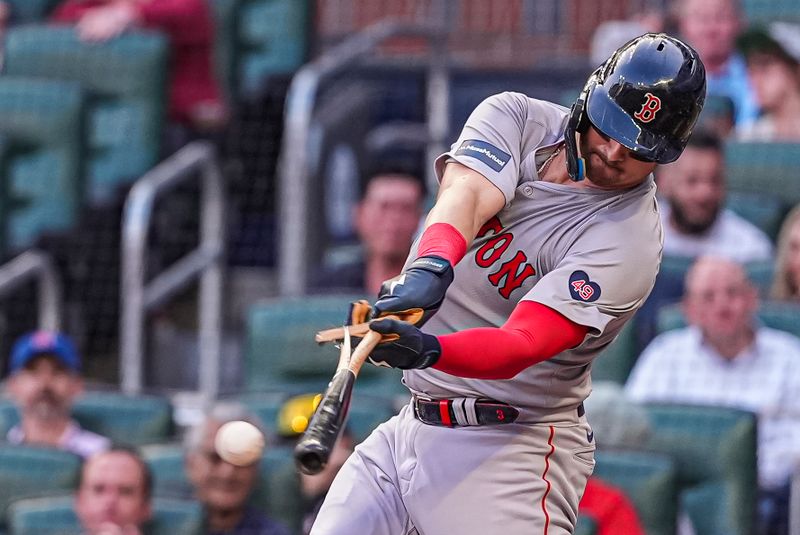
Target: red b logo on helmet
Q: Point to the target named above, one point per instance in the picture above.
(649, 108)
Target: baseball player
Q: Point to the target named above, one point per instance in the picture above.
(546, 239)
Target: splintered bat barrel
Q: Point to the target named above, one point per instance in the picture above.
(312, 452)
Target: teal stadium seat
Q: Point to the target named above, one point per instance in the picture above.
(56, 516)
(713, 448)
(764, 168)
(281, 354)
(617, 360)
(166, 462)
(764, 210)
(649, 480)
(273, 37)
(29, 11)
(30, 471)
(775, 314)
(132, 420)
(226, 50)
(42, 123)
(769, 10)
(125, 79)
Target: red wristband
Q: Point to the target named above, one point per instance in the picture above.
(443, 240)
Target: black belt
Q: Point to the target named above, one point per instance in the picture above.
(461, 412)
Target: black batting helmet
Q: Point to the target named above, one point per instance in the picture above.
(646, 96)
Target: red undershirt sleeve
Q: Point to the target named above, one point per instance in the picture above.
(533, 333)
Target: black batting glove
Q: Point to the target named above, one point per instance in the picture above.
(419, 289)
(412, 349)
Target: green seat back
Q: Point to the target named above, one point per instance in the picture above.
(765, 211)
(775, 314)
(764, 167)
(126, 419)
(272, 39)
(585, 526)
(125, 79)
(42, 186)
(166, 462)
(281, 353)
(8, 416)
(769, 10)
(649, 480)
(30, 471)
(27, 11)
(711, 445)
(56, 516)
(617, 360)
(226, 50)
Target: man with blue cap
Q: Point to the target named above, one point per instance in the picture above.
(44, 380)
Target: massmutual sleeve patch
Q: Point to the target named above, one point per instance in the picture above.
(583, 289)
(487, 153)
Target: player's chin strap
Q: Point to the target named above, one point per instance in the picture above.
(576, 165)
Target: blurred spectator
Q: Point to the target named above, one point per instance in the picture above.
(717, 116)
(196, 104)
(224, 488)
(114, 493)
(726, 358)
(386, 218)
(711, 27)
(773, 64)
(612, 34)
(694, 218)
(786, 282)
(305, 493)
(44, 380)
(617, 422)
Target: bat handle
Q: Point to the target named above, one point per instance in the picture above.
(363, 350)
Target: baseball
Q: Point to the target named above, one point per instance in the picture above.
(239, 443)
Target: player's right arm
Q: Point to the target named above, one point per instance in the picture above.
(478, 178)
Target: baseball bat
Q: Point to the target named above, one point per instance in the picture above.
(313, 450)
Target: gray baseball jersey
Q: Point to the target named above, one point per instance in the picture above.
(588, 253)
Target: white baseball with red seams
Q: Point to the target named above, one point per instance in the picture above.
(239, 443)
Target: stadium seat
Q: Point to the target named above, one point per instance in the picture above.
(769, 10)
(281, 355)
(764, 210)
(585, 526)
(764, 167)
(125, 79)
(166, 462)
(30, 471)
(711, 446)
(775, 314)
(617, 360)
(132, 420)
(126, 419)
(42, 123)
(226, 50)
(649, 480)
(28, 11)
(272, 39)
(56, 516)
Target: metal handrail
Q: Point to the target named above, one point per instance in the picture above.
(35, 264)
(205, 262)
(300, 102)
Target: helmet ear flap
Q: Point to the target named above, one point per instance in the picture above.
(577, 123)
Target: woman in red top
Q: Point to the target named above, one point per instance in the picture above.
(195, 97)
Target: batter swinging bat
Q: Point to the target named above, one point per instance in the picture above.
(312, 452)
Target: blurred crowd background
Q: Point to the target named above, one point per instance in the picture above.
(189, 189)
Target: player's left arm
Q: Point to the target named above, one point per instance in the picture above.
(532, 334)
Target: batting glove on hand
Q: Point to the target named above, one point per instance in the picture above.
(410, 349)
(420, 288)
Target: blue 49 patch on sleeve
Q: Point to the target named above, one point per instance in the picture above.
(583, 289)
(485, 152)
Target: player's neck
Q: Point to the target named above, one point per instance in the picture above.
(555, 170)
